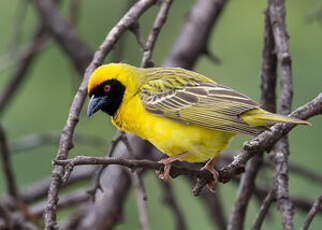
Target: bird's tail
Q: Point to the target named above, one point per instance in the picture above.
(260, 117)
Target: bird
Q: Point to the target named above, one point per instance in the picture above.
(185, 115)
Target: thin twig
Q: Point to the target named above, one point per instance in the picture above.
(169, 199)
(135, 28)
(245, 190)
(120, 47)
(35, 140)
(212, 57)
(18, 20)
(158, 23)
(39, 190)
(313, 211)
(141, 199)
(66, 138)
(263, 210)
(175, 171)
(15, 220)
(216, 210)
(22, 67)
(98, 173)
(294, 167)
(11, 186)
(301, 203)
(68, 200)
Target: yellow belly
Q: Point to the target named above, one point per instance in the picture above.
(171, 137)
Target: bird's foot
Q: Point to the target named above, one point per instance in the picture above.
(210, 168)
(165, 174)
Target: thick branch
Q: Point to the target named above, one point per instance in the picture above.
(64, 33)
(194, 36)
(268, 77)
(281, 149)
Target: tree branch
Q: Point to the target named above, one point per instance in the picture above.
(22, 68)
(36, 140)
(260, 143)
(313, 211)
(216, 211)
(267, 139)
(281, 149)
(11, 186)
(183, 53)
(175, 171)
(68, 200)
(64, 33)
(169, 199)
(158, 23)
(141, 199)
(113, 202)
(268, 77)
(66, 138)
(263, 210)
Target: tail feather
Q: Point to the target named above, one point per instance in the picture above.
(262, 118)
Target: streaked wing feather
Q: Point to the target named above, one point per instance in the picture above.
(191, 100)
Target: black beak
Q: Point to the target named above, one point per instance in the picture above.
(95, 104)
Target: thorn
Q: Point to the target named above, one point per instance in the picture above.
(212, 57)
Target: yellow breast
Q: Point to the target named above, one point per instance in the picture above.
(169, 136)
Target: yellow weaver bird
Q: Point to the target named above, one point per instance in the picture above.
(184, 114)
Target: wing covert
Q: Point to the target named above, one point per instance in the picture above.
(191, 100)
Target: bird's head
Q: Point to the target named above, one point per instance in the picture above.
(109, 85)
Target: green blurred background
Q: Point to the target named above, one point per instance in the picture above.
(42, 102)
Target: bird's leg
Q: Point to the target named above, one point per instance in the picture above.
(209, 166)
(167, 166)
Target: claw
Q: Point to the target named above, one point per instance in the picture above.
(210, 168)
(167, 166)
(166, 170)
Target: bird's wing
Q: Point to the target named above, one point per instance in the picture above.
(192, 100)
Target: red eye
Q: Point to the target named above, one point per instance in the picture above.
(107, 88)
